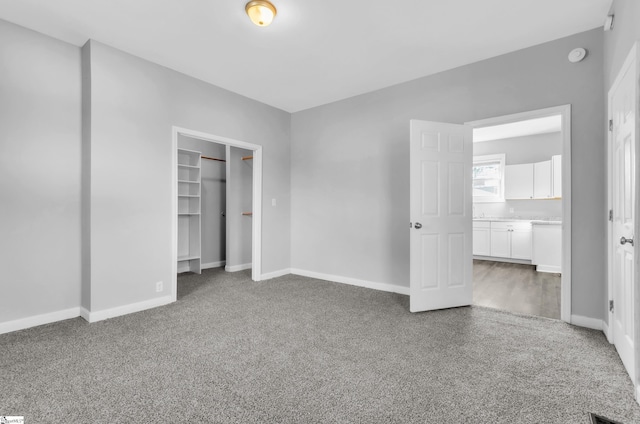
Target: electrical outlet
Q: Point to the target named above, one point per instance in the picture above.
(159, 286)
(511, 210)
(273, 202)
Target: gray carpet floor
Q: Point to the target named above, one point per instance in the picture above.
(299, 350)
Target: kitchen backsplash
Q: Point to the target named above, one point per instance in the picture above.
(521, 208)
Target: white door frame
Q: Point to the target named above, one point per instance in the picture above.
(256, 228)
(565, 112)
(632, 58)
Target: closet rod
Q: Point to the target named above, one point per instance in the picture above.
(247, 157)
(207, 157)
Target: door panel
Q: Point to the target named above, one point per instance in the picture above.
(440, 187)
(429, 251)
(623, 114)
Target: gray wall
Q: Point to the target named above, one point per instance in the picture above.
(85, 168)
(527, 149)
(134, 103)
(350, 161)
(240, 188)
(618, 42)
(40, 133)
(213, 198)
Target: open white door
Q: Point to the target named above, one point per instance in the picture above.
(440, 190)
(622, 112)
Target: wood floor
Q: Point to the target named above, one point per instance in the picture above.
(516, 288)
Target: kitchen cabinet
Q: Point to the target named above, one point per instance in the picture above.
(556, 175)
(511, 239)
(518, 181)
(542, 180)
(547, 247)
(482, 238)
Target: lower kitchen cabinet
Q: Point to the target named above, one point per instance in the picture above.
(511, 239)
(547, 247)
(482, 238)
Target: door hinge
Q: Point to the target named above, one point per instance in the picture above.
(611, 306)
(610, 124)
(611, 215)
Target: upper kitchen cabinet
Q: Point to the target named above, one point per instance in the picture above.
(556, 175)
(540, 180)
(518, 182)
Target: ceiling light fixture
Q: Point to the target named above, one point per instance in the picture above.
(261, 12)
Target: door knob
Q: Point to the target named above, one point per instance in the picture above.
(418, 225)
(626, 240)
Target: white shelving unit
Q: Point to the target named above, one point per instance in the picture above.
(189, 207)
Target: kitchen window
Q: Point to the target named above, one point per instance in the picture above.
(488, 178)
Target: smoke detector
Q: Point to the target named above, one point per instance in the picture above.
(576, 55)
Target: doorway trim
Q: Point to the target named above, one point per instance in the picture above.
(565, 112)
(256, 228)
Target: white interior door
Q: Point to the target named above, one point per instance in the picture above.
(622, 109)
(441, 228)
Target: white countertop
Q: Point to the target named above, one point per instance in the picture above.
(533, 220)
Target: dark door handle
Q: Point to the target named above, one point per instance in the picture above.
(626, 240)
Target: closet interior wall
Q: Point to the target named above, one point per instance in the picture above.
(213, 200)
(239, 208)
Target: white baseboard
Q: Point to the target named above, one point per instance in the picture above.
(507, 260)
(549, 268)
(275, 274)
(605, 330)
(213, 265)
(34, 321)
(587, 322)
(353, 281)
(85, 314)
(235, 268)
(126, 309)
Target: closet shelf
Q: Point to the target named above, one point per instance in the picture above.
(188, 212)
(247, 157)
(188, 258)
(247, 213)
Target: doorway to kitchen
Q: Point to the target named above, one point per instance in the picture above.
(521, 212)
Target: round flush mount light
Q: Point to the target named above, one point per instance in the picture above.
(261, 12)
(576, 55)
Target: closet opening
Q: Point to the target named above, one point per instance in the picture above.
(216, 204)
